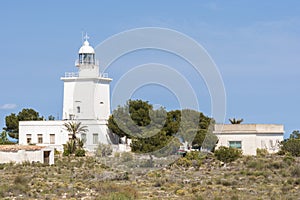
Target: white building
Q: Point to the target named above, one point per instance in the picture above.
(19, 154)
(86, 99)
(249, 137)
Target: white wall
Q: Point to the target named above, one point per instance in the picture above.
(45, 128)
(61, 135)
(68, 102)
(252, 136)
(22, 156)
(90, 94)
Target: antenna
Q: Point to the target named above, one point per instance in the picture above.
(86, 37)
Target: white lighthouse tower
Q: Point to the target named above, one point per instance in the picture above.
(86, 100)
(86, 92)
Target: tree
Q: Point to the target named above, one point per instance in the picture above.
(139, 112)
(152, 130)
(3, 138)
(75, 128)
(12, 125)
(236, 121)
(75, 145)
(51, 118)
(12, 121)
(295, 135)
(28, 114)
(291, 145)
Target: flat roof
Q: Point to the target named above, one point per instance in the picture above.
(248, 128)
(17, 147)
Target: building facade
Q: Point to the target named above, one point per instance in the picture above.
(249, 137)
(86, 99)
(19, 154)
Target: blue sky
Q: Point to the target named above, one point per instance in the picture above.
(255, 45)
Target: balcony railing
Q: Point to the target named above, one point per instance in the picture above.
(76, 74)
(71, 74)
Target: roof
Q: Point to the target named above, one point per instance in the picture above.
(14, 148)
(248, 128)
(86, 48)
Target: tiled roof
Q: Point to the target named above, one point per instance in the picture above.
(8, 148)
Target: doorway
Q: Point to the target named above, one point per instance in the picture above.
(46, 157)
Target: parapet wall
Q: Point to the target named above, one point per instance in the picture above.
(248, 128)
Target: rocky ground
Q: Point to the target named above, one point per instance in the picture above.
(263, 177)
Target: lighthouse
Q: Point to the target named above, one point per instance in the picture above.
(86, 99)
(86, 92)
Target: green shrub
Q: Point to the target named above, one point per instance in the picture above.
(261, 152)
(193, 155)
(276, 165)
(56, 152)
(69, 147)
(184, 162)
(192, 158)
(2, 166)
(257, 164)
(295, 171)
(21, 180)
(66, 152)
(291, 146)
(80, 152)
(126, 156)
(288, 159)
(227, 154)
(104, 150)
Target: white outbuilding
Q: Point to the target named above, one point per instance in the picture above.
(28, 153)
(250, 137)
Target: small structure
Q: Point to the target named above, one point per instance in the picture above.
(31, 153)
(249, 137)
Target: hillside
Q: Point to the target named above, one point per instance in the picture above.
(265, 177)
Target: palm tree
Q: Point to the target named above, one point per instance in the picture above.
(75, 144)
(75, 128)
(236, 121)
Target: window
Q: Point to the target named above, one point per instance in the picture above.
(95, 138)
(235, 144)
(78, 109)
(83, 137)
(52, 138)
(40, 138)
(28, 138)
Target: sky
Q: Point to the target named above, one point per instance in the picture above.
(254, 44)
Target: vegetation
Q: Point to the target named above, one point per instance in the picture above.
(74, 145)
(12, 121)
(103, 150)
(236, 121)
(261, 152)
(227, 154)
(271, 177)
(3, 138)
(51, 118)
(291, 145)
(161, 131)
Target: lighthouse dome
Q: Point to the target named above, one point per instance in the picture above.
(86, 48)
